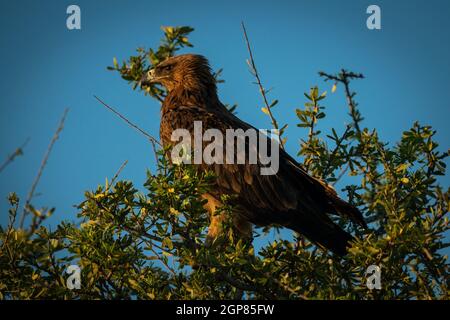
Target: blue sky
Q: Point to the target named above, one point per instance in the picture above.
(46, 68)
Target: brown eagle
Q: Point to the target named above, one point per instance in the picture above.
(289, 198)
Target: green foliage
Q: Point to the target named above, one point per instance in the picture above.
(137, 66)
(151, 244)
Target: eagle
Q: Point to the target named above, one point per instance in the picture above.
(289, 198)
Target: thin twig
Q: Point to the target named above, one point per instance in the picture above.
(259, 83)
(244, 286)
(18, 152)
(333, 154)
(344, 77)
(163, 262)
(153, 141)
(118, 172)
(42, 167)
(12, 221)
(341, 174)
(352, 106)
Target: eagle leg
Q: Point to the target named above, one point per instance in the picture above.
(241, 227)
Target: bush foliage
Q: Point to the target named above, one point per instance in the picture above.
(131, 244)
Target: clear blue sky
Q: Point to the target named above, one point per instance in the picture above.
(45, 68)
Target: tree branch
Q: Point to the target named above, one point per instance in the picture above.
(18, 152)
(153, 141)
(42, 167)
(344, 77)
(263, 92)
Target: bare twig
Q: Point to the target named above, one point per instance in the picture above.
(341, 174)
(18, 152)
(344, 77)
(259, 83)
(118, 172)
(42, 167)
(153, 141)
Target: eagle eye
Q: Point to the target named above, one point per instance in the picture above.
(167, 67)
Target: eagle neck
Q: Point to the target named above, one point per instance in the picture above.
(201, 98)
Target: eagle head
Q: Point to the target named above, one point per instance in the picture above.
(189, 71)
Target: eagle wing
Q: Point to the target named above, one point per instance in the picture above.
(290, 197)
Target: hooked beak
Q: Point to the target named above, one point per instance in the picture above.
(149, 78)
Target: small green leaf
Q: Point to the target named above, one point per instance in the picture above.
(273, 104)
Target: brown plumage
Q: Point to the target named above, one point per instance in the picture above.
(290, 198)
